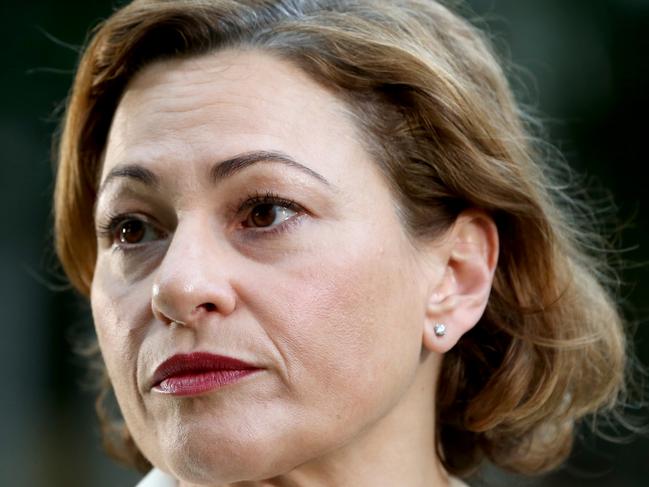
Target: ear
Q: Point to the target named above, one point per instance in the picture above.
(458, 299)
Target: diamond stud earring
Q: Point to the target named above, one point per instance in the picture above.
(440, 329)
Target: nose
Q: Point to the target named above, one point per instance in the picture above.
(192, 282)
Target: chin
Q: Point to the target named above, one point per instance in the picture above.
(213, 460)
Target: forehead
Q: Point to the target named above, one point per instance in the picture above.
(223, 103)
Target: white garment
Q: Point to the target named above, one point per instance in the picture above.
(455, 482)
(157, 478)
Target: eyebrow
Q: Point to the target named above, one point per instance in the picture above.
(220, 171)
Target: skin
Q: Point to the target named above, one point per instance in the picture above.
(337, 306)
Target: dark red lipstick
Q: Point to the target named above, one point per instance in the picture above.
(196, 373)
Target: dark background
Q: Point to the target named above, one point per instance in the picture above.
(585, 64)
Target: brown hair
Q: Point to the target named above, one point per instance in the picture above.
(442, 124)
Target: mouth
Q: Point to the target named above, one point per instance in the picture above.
(197, 373)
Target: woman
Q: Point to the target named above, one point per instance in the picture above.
(321, 248)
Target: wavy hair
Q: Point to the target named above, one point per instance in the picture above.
(440, 120)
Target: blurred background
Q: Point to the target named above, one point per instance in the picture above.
(585, 68)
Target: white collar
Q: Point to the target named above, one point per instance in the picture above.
(157, 478)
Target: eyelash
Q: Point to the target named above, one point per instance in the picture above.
(107, 230)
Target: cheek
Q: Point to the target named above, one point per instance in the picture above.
(347, 324)
(121, 314)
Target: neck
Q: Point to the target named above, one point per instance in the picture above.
(399, 449)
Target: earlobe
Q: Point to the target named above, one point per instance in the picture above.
(460, 297)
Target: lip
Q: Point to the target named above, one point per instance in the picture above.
(197, 373)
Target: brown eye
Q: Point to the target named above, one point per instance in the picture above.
(131, 232)
(263, 215)
(268, 214)
(134, 231)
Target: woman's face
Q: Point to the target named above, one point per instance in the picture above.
(239, 215)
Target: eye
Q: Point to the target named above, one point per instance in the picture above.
(128, 230)
(134, 231)
(268, 215)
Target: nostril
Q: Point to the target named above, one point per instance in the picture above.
(208, 306)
